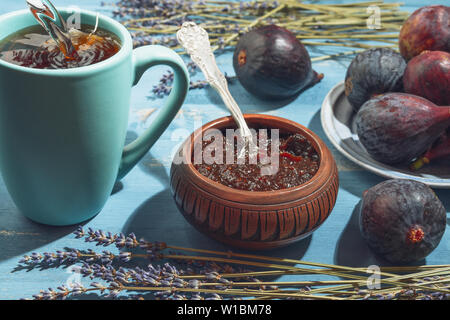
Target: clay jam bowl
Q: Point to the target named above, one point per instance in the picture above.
(254, 219)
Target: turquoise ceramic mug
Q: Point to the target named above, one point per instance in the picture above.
(62, 132)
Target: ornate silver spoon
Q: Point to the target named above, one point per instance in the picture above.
(196, 42)
(48, 17)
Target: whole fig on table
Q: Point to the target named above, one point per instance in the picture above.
(402, 220)
(271, 63)
(427, 28)
(428, 75)
(372, 72)
(398, 127)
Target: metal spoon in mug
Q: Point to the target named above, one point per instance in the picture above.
(196, 42)
(48, 17)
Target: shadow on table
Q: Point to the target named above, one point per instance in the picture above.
(154, 167)
(352, 178)
(149, 164)
(352, 250)
(158, 219)
(247, 102)
(444, 196)
(19, 235)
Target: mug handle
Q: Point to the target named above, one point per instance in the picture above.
(143, 59)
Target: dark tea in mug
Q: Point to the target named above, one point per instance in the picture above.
(32, 47)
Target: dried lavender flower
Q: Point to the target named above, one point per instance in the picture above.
(166, 280)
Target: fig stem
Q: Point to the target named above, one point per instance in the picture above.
(419, 163)
(440, 150)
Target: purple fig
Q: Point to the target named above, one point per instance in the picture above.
(373, 72)
(271, 63)
(402, 220)
(426, 29)
(428, 75)
(398, 127)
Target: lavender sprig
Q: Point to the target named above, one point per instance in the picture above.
(165, 277)
(200, 278)
(164, 85)
(71, 256)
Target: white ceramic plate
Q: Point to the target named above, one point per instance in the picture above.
(338, 123)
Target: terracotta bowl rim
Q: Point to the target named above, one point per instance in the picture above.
(229, 193)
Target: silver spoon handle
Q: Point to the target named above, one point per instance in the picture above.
(47, 15)
(196, 42)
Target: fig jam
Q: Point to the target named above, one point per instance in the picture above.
(32, 47)
(298, 162)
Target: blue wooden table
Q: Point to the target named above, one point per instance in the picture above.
(144, 204)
